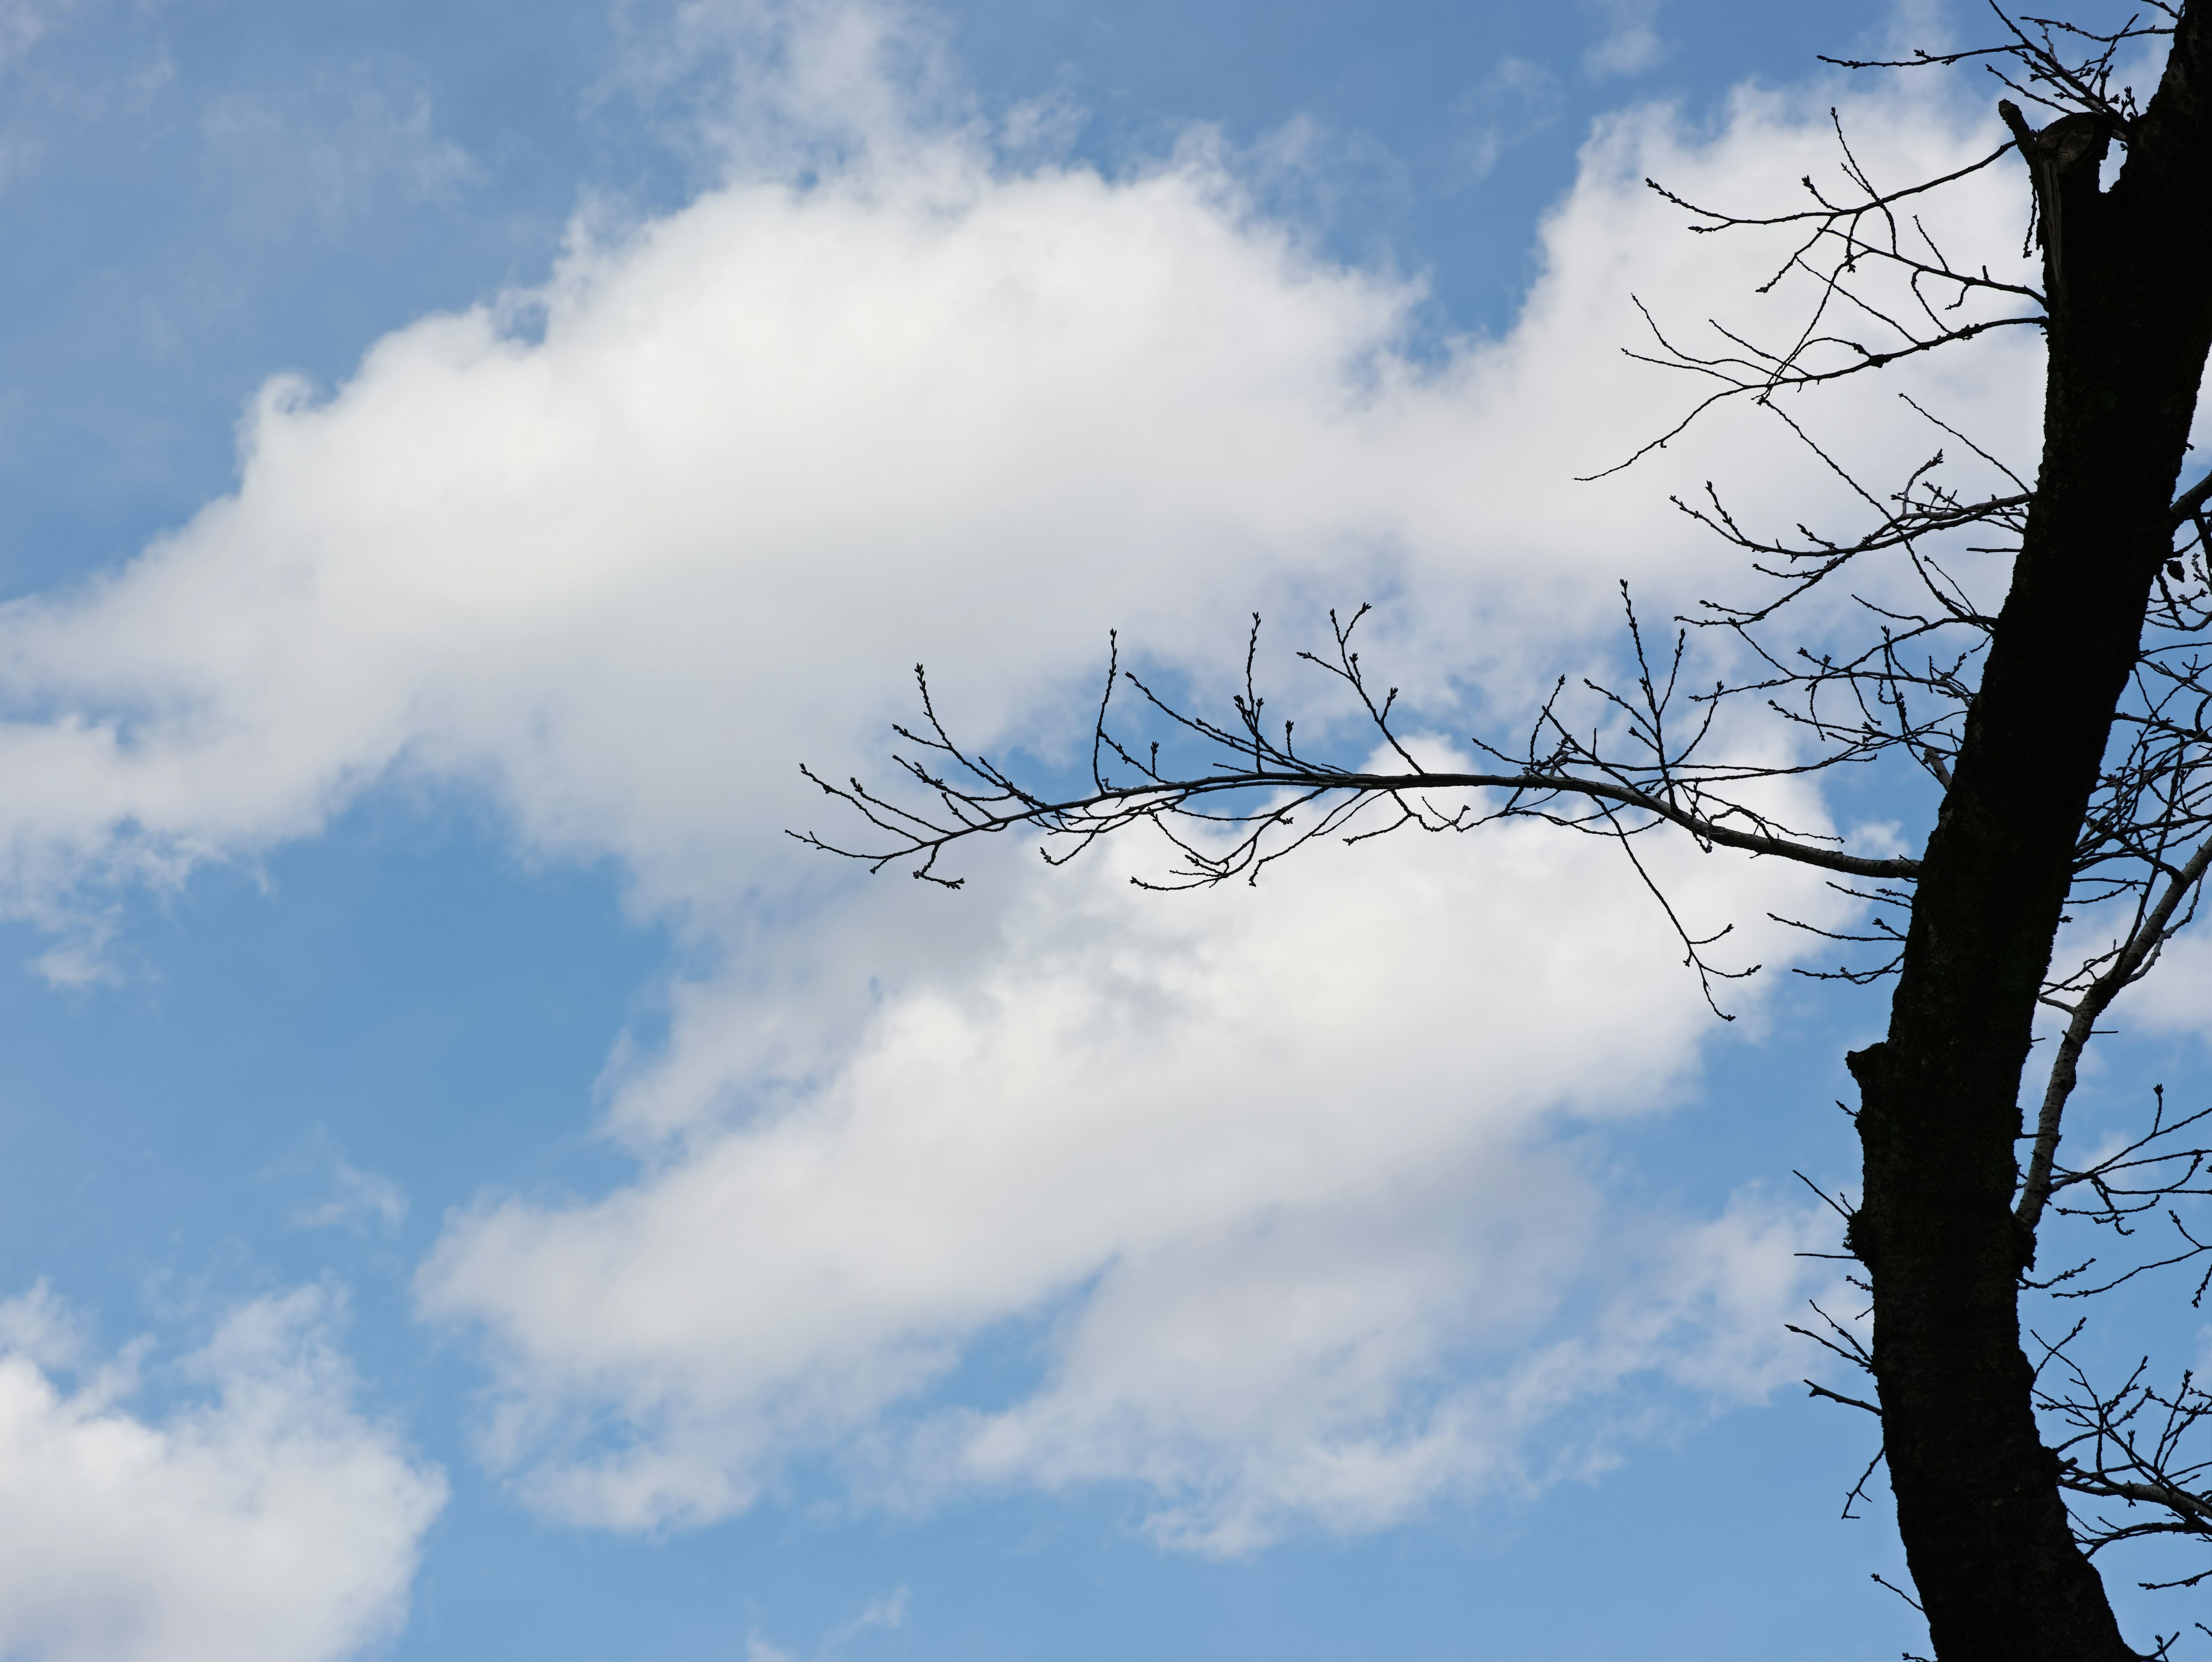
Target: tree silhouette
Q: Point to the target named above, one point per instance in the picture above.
(2067, 730)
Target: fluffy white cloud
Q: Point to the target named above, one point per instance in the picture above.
(268, 1519)
(1271, 1192)
(1261, 1183)
(770, 448)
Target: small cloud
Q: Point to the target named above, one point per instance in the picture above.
(80, 960)
(1630, 43)
(1517, 101)
(1043, 127)
(1883, 839)
(888, 1612)
(357, 1199)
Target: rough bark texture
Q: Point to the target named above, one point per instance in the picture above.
(2131, 312)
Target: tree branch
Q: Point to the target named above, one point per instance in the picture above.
(2129, 964)
(1118, 803)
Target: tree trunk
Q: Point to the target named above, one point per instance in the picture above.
(2129, 295)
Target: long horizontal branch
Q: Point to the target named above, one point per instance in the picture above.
(1135, 798)
(2194, 1509)
(1827, 212)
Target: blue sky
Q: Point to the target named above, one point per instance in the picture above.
(475, 1187)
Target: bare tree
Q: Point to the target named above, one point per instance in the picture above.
(2066, 731)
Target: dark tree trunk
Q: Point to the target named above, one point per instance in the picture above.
(2130, 308)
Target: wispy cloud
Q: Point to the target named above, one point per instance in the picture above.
(357, 1198)
(332, 152)
(24, 23)
(887, 1614)
(1515, 102)
(1629, 42)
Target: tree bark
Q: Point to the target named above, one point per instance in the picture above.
(2129, 302)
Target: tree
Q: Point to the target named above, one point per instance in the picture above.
(2068, 731)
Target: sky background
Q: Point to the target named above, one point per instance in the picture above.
(474, 1187)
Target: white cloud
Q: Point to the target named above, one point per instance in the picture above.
(267, 1519)
(1274, 1190)
(775, 445)
(1258, 1178)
